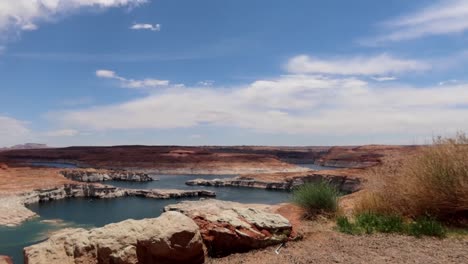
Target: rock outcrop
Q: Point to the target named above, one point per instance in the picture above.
(170, 238)
(92, 175)
(343, 183)
(229, 227)
(5, 260)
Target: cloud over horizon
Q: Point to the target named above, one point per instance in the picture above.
(288, 104)
(12, 131)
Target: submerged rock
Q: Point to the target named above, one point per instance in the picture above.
(229, 227)
(170, 238)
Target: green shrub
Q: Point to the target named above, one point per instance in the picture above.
(369, 223)
(426, 226)
(344, 226)
(316, 198)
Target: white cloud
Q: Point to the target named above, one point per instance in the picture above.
(25, 14)
(106, 74)
(383, 78)
(357, 65)
(29, 27)
(290, 104)
(131, 83)
(12, 131)
(443, 17)
(155, 27)
(63, 133)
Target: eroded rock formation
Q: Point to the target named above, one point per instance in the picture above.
(170, 238)
(229, 227)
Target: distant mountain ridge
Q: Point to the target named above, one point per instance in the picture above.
(27, 146)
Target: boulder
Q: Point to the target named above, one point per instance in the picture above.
(5, 260)
(170, 238)
(228, 227)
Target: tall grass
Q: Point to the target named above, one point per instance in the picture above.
(432, 182)
(316, 198)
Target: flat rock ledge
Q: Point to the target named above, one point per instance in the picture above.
(93, 175)
(170, 238)
(228, 227)
(13, 211)
(343, 183)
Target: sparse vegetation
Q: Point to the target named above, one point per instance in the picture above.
(426, 226)
(345, 226)
(433, 182)
(316, 198)
(369, 223)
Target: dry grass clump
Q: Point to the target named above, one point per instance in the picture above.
(433, 182)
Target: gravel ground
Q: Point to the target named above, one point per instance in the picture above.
(323, 245)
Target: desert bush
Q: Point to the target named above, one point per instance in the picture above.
(432, 182)
(316, 198)
(345, 226)
(426, 226)
(370, 223)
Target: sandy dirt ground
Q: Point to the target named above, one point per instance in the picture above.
(322, 244)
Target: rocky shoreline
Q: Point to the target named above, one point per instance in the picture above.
(344, 184)
(15, 212)
(93, 175)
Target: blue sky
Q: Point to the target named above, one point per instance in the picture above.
(105, 72)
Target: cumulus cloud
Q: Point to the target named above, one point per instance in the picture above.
(12, 131)
(132, 83)
(356, 65)
(290, 104)
(155, 27)
(25, 14)
(442, 18)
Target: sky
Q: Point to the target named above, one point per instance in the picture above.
(232, 72)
